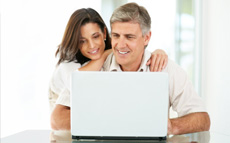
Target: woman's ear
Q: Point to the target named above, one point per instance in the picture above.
(104, 33)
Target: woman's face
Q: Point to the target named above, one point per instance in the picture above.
(92, 43)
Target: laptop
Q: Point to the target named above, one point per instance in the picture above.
(119, 105)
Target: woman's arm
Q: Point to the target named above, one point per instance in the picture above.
(96, 65)
(158, 60)
(60, 118)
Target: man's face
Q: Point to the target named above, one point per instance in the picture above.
(128, 44)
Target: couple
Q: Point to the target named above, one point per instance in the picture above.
(85, 47)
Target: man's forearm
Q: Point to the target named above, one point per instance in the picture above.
(60, 118)
(194, 122)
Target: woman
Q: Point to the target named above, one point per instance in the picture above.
(85, 46)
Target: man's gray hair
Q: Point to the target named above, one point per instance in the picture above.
(132, 12)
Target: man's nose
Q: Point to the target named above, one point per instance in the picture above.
(121, 42)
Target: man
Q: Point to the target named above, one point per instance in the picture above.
(130, 34)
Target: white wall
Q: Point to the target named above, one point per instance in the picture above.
(216, 62)
(30, 33)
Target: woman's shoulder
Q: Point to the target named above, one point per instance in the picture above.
(62, 73)
(68, 66)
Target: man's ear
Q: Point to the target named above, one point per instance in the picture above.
(147, 38)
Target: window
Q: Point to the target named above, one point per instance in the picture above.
(187, 39)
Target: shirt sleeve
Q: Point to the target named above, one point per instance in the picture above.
(64, 98)
(60, 83)
(183, 97)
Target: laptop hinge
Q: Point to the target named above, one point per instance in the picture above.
(117, 138)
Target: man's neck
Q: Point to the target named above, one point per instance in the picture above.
(125, 68)
(132, 67)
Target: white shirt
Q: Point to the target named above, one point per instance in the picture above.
(182, 96)
(60, 83)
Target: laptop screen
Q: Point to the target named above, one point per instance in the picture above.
(119, 105)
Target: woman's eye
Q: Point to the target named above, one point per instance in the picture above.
(82, 41)
(96, 36)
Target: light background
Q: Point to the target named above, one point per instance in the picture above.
(31, 31)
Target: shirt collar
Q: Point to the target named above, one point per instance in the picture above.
(114, 65)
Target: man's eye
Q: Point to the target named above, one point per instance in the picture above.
(130, 37)
(115, 36)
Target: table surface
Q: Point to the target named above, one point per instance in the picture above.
(47, 136)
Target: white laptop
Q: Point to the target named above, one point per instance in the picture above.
(119, 105)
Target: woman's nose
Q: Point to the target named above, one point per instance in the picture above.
(91, 44)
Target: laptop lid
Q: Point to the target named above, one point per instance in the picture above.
(119, 105)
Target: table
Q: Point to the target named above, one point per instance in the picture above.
(47, 136)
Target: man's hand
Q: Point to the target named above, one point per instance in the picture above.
(194, 122)
(158, 60)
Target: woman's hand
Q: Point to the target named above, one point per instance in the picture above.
(106, 53)
(96, 65)
(158, 60)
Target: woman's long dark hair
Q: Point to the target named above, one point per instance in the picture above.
(69, 50)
